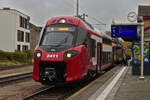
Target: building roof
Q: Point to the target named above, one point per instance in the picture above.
(143, 10)
(16, 11)
(31, 24)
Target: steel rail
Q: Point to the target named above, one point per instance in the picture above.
(10, 79)
(13, 67)
(37, 93)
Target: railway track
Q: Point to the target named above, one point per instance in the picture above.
(53, 93)
(37, 92)
(13, 67)
(56, 93)
(8, 79)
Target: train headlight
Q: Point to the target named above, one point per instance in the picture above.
(70, 54)
(38, 54)
(62, 21)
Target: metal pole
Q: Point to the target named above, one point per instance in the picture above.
(77, 8)
(84, 16)
(142, 51)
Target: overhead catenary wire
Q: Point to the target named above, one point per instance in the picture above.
(91, 17)
(70, 5)
(98, 21)
(81, 10)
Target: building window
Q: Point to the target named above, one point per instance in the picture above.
(27, 23)
(24, 23)
(21, 22)
(27, 37)
(20, 36)
(25, 47)
(18, 47)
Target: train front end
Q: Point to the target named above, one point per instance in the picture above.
(60, 56)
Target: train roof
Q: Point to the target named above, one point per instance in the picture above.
(74, 21)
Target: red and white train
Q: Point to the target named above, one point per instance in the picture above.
(69, 51)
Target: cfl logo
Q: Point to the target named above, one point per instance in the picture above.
(52, 56)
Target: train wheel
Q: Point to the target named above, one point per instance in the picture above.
(91, 75)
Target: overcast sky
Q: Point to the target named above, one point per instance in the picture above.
(102, 10)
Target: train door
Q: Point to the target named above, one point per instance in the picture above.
(113, 54)
(99, 55)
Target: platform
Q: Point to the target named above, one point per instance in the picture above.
(121, 85)
(132, 88)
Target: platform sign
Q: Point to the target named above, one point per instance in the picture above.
(124, 31)
(136, 63)
(137, 53)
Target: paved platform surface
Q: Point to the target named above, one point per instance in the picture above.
(86, 92)
(132, 88)
(120, 84)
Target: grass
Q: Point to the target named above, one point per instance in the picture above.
(4, 63)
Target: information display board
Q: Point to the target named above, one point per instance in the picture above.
(124, 31)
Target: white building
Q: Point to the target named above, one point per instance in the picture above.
(14, 30)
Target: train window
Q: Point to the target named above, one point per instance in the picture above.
(104, 58)
(107, 41)
(91, 46)
(107, 57)
(110, 57)
(82, 34)
(58, 35)
(57, 38)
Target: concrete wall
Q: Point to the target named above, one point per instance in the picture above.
(7, 31)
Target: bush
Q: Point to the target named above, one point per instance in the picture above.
(19, 56)
(2, 55)
(9, 56)
(29, 55)
(24, 57)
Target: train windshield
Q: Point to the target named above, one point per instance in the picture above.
(58, 36)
